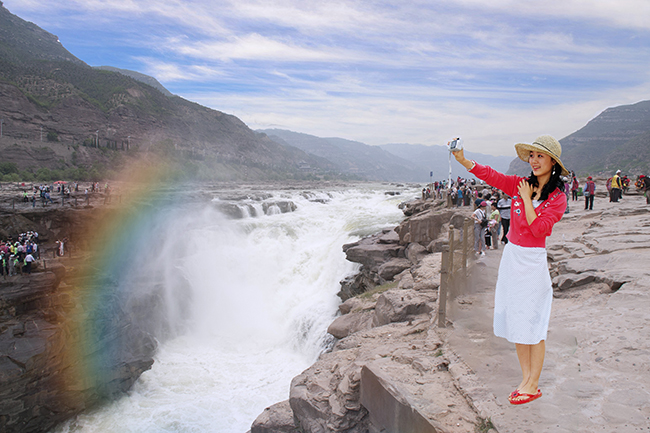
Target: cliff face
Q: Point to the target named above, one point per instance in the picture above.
(51, 365)
(67, 341)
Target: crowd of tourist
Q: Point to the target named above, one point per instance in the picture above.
(45, 192)
(17, 256)
(491, 215)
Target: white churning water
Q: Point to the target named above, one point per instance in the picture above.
(248, 302)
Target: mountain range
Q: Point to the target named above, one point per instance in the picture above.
(616, 139)
(95, 119)
(389, 162)
(63, 118)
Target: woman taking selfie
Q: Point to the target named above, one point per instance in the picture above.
(523, 296)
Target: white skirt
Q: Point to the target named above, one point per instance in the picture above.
(523, 296)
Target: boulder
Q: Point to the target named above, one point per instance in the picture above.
(426, 275)
(325, 397)
(423, 227)
(401, 306)
(458, 220)
(372, 254)
(389, 269)
(568, 281)
(388, 237)
(620, 265)
(405, 280)
(354, 285)
(350, 323)
(275, 419)
(415, 252)
(417, 206)
(437, 245)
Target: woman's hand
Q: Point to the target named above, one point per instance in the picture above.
(526, 194)
(460, 157)
(458, 154)
(525, 190)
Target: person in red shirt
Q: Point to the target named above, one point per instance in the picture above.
(575, 186)
(524, 293)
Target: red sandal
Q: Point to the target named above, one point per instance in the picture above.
(526, 398)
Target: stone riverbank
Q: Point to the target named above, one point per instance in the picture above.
(458, 378)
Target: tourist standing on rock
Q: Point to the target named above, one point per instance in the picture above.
(3, 264)
(28, 264)
(616, 191)
(467, 196)
(12, 265)
(575, 186)
(494, 221)
(589, 192)
(523, 296)
(480, 228)
(504, 209)
(479, 199)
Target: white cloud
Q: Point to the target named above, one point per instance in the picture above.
(258, 47)
(191, 14)
(309, 15)
(376, 71)
(619, 13)
(376, 120)
(169, 72)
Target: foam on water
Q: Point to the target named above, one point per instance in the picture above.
(247, 304)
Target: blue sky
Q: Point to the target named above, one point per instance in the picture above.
(494, 72)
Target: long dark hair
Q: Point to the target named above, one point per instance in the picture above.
(554, 182)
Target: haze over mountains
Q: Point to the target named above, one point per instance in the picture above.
(95, 119)
(389, 162)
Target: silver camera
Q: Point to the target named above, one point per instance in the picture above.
(455, 144)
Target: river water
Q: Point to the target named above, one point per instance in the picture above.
(256, 297)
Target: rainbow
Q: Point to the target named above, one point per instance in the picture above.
(102, 352)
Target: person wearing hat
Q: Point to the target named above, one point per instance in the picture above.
(523, 296)
(616, 191)
(480, 227)
(588, 192)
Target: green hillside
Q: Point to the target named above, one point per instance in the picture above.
(95, 120)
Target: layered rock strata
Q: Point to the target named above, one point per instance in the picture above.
(55, 361)
(610, 251)
(67, 342)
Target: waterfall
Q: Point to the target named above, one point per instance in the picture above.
(242, 306)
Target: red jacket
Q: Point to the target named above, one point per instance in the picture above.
(548, 212)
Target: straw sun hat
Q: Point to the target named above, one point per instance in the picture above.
(543, 144)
